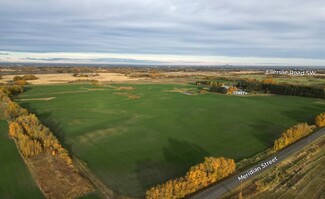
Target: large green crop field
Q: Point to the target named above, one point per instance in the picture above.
(133, 144)
(16, 181)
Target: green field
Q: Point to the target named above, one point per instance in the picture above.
(16, 181)
(133, 144)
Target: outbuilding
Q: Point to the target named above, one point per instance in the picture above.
(239, 92)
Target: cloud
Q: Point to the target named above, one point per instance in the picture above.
(153, 59)
(233, 28)
(94, 60)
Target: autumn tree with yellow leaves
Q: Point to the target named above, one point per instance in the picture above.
(11, 89)
(21, 82)
(320, 120)
(31, 135)
(33, 138)
(231, 90)
(268, 81)
(14, 110)
(291, 135)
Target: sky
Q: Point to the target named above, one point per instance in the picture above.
(207, 32)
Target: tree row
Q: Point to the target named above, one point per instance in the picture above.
(269, 86)
(199, 176)
(31, 135)
(297, 132)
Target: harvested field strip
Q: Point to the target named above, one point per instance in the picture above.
(56, 179)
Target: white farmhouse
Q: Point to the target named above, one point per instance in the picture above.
(239, 92)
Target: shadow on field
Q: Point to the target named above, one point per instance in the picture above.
(267, 132)
(49, 121)
(55, 126)
(27, 88)
(184, 152)
(179, 156)
(304, 114)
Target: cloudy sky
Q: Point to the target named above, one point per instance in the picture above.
(268, 32)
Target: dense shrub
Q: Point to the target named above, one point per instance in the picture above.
(12, 89)
(29, 77)
(14, 110)
(25, 77)
(320, 120)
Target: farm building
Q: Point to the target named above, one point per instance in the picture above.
(239, 92)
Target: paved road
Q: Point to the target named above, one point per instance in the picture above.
(217, 190)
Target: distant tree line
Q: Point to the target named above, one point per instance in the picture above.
(213, 86)
(205, 83)
(31, 135)
(199, 176)
(281, 89)
(267, 85)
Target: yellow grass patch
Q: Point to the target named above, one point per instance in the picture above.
(100, 134)
(178, 90)
(95, 89)
(67, 77)
(128, 95)
(126, 88)
(184, 91)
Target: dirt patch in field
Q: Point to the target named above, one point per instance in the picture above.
(93, 137)
(37, 99)
(185, 91)
(178, 90)
(56, 179)
(95, 89)
(125, 88)
(128, 95)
